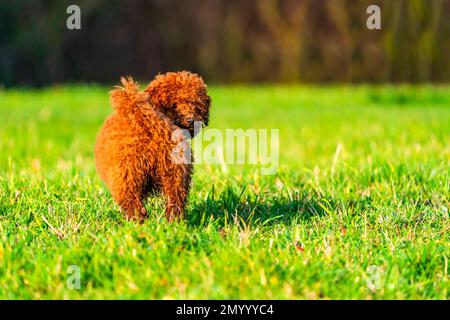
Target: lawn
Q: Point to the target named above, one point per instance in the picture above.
(358, 209)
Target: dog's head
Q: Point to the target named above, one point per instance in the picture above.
(182, 97)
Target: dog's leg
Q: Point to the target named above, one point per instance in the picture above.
(133, 209)
(176, 189)
(128, 194)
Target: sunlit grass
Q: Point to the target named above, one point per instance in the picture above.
(359, 207)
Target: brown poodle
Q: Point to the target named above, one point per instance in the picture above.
(140, 150)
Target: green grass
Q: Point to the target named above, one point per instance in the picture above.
(368, 222)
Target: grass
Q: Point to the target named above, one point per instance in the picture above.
(366, 220)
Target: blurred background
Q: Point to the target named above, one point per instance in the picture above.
(225, 41)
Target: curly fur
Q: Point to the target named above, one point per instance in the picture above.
(135, 148)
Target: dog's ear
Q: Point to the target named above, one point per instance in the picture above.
(203, 104)
(125, 98)
(160, 93)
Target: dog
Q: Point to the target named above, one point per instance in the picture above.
(138, 153)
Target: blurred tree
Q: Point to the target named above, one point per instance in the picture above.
(225, 40)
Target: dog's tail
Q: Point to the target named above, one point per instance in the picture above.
(126, 98)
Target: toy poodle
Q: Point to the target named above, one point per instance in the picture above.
(142, 147)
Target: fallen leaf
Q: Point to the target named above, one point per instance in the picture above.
(299, 247)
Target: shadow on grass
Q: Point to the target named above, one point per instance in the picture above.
(238, 207)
